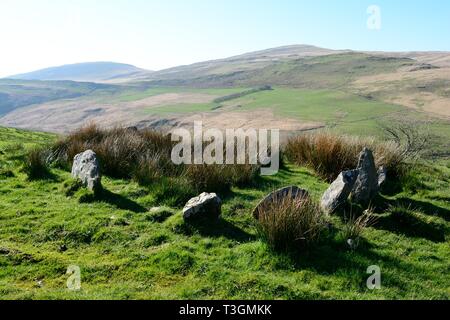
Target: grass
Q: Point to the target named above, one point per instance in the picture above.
(20, 93)
(336, 107)
(340, 111)
(129, 247)
(291, 226)
(139, 94)
(35, 165)
(330, 154)
(145, 156)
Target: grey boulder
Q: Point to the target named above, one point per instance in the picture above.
(366, 185)
(206, 205)
(87, 169)
(293, 192)
(339, 191)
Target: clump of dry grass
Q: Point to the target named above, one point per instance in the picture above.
(120, 150)
(145, 156)
(329, 154)
(35, 164)
(291, 225)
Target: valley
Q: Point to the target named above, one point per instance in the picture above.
(311, 88)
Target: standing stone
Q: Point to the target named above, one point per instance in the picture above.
(366, 185)
(339, 191)
(86, 168)
(206, 205)
(293, 192)
(382, 176)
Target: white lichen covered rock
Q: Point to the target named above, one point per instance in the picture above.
(205, 206)
(86, 168)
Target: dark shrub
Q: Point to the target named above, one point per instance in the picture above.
(35, 165)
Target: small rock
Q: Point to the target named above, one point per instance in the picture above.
(206, 205)
(353, 244)
(87, 169)
(339, 191)
(292, 191)
(132, 128)
(366, 185)
(40, 283)
(382, 176)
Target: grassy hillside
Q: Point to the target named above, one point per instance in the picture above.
(328, 71)
(19, 93)
(130, 246)
(90, 71)
(336, 109)
(344, 90)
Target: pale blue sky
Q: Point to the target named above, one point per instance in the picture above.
(158, 34)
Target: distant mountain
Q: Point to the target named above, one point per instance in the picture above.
(245, 63)
(88, 72)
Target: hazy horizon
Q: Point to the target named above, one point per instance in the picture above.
(38, 34)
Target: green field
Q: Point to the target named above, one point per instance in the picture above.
(337, 110)
(127, 250)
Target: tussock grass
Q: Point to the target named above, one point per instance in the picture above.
(288, 225)
(35, 164)
(145, 156)
(355, 226)
(329, 154)
(127, 250)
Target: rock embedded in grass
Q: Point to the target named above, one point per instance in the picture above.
(279, 195)
(339, 191)
(86, 168)
(205, 206)
(366, 185)
(382, 176)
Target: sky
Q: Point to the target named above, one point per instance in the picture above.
(157, 34)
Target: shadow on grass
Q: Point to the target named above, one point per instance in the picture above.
(44, 175)
(332, 257)
(425, 207)
(409, 182)
(382, 204)
(412, 227)
(403, 216)
(113, 199)
(221, 228)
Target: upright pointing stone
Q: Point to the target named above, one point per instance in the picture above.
(86, 168)
(366, 186)
(339, 191)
